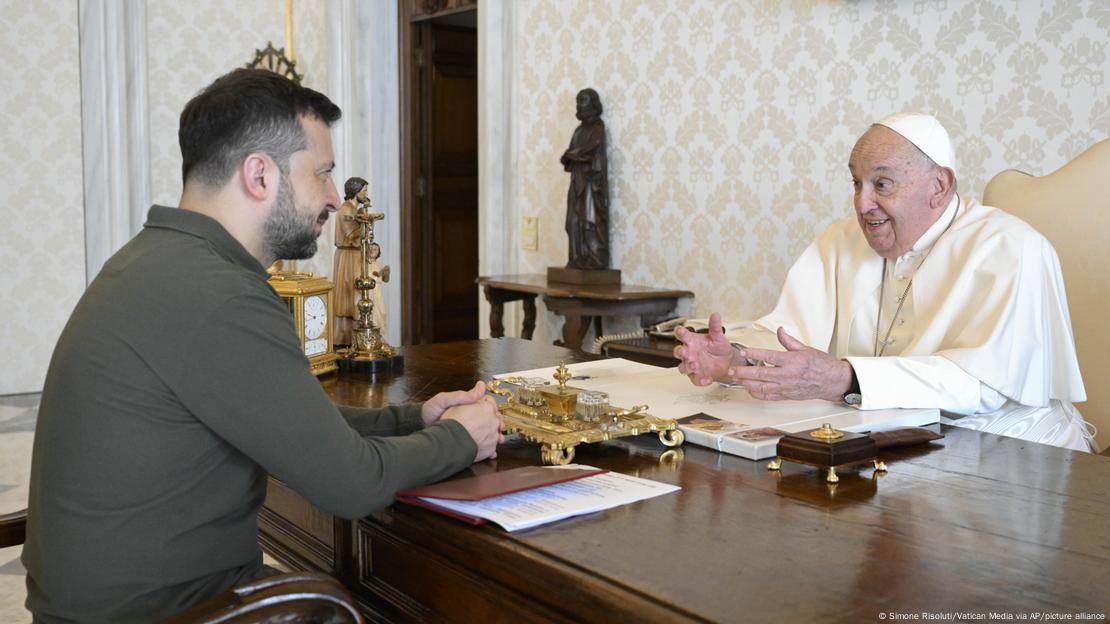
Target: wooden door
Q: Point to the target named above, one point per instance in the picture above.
(442, 295)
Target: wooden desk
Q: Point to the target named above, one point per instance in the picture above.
(974, 523)
(577, 303)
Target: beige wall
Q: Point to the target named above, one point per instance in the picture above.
(730, 123)
(42, 239)
(42, 236)
(191, 43)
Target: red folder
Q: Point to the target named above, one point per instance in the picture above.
(488, 486)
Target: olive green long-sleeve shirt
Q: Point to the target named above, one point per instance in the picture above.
(176, 387)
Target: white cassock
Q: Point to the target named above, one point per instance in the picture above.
(983, 334)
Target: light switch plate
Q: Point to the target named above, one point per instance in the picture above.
(530, 233)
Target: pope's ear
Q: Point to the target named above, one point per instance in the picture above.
(944, 179)
(259, 174)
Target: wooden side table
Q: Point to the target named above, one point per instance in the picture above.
(579, 304)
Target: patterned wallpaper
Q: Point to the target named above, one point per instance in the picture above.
(42, 237)
(730, 123)
(192, 43)
(189, 44)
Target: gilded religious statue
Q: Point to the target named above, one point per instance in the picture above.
(380, 274)
(588, 197)
(346, 266)
(358, 269)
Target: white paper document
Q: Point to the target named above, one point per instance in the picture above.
(583, 371)
(530, 508)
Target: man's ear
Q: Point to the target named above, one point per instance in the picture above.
(260, 176)
(944, 179)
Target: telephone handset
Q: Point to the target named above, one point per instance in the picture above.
(666, 328)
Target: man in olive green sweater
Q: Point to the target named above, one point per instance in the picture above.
(178, 384)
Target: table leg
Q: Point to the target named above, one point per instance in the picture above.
(529, 317)
(574, 329)
(496, 313)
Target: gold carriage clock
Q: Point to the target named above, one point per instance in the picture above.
(310, 301)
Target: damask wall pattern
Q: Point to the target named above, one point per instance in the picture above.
(730, 123)
(42, 240)
(42, 235)
(191, 43)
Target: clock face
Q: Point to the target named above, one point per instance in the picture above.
(315, 317)
(315, 347)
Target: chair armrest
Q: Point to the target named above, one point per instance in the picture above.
(286, 599)
(13, 528)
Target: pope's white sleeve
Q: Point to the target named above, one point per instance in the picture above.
(918, 382)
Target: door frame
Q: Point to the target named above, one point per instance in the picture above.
(496, 153)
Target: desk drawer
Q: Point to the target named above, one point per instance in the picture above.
(295, 532)
(409, 583)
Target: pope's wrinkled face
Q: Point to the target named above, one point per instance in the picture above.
(895, 185)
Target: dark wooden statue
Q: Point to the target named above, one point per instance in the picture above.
(588, 197)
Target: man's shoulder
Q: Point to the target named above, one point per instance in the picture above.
(176, 277)
(195, 260)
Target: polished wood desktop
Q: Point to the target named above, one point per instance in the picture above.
(973, 523)
(579, 304)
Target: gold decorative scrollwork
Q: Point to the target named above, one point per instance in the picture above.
(557, 456)
(275, 60)
(672, 437)
(559, 432)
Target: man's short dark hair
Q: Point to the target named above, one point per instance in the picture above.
(245, 111)
(353, 186)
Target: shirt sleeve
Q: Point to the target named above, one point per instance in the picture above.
(391, 420)
(921, 382)
(245, 378)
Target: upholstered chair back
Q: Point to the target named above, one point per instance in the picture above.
(1071, 207)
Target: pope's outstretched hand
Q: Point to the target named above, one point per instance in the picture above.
(705, 358)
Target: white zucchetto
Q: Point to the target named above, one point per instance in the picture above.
(925, 132)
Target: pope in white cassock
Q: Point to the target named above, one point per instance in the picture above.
(925, 299)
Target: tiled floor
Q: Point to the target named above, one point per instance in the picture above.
(17, 428)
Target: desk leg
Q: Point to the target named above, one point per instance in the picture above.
(496, 313)
(529, 317)
(574, 330)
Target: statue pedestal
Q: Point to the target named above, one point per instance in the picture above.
(568, 275)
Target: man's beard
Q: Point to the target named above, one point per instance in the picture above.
(286, 233)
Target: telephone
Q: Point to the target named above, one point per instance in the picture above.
(664, 329)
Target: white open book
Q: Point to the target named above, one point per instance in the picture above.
(700, 325)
